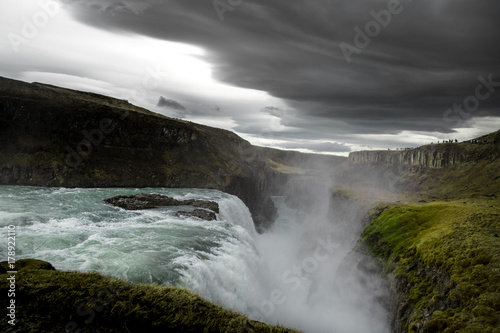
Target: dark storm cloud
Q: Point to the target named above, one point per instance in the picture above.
(426, 59)
(170, 104)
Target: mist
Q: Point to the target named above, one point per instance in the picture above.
(310, 278)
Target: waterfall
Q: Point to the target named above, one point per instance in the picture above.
(288, 275)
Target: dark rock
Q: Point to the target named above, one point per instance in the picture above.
(202, 214)
(148, 201)
(259, 222)
(213, 206)
(142, 201)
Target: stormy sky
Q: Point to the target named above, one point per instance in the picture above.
(319, 75)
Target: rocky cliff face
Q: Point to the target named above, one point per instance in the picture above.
(434, 155)
(50, 136)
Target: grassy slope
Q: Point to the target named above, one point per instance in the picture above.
(446, 258)
(53, 301)
(441, 244)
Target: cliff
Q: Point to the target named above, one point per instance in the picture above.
(434, 155)
(436, 171)
(51, 136)
(445, 262)
(434, 231)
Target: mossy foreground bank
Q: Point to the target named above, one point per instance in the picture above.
(445, 257)
(52, 301)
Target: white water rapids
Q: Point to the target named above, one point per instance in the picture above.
(289, 275)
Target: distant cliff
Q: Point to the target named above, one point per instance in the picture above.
(51, 136)
(434, 155)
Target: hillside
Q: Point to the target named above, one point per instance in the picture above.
(444, 260)
(431, 172)
(51, 136)
(52, 301)
(434, 231)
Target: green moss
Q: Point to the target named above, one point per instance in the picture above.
(53, 301)
(446, 259)
(281, 168)
(26, 264)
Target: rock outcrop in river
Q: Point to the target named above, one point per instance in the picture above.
(204, 210)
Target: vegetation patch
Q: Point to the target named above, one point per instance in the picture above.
(281, 168)
(52, 301)
(445, 257)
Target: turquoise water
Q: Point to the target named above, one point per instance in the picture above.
(75, 230)
(284, 276)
